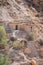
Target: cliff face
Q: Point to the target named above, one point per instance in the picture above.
(12, 9)
(38, 4)
(23, 10)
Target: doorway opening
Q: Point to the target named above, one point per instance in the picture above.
(16, 28)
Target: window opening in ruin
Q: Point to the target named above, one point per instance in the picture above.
(31, 28)
(16, 27)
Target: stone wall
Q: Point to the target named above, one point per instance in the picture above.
(24, 26)
(29, 27)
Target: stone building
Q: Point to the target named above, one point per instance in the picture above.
(21, 25)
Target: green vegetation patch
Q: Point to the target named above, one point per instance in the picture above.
(19, 44)
(3, 39)
(4, 60)
(31, 36)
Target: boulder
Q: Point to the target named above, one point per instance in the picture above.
(27, 51)
(33, 62)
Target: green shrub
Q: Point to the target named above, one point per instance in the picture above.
(4, 60)
(31, 36)
(3, 39)
(18, 44)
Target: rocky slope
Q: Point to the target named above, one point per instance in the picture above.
(12, 9)
(17, 10)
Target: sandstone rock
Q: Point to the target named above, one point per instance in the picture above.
(33, 62)
(27, 51)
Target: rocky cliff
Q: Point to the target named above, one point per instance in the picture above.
(23, 10)
(15, 9)
(24, 19)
